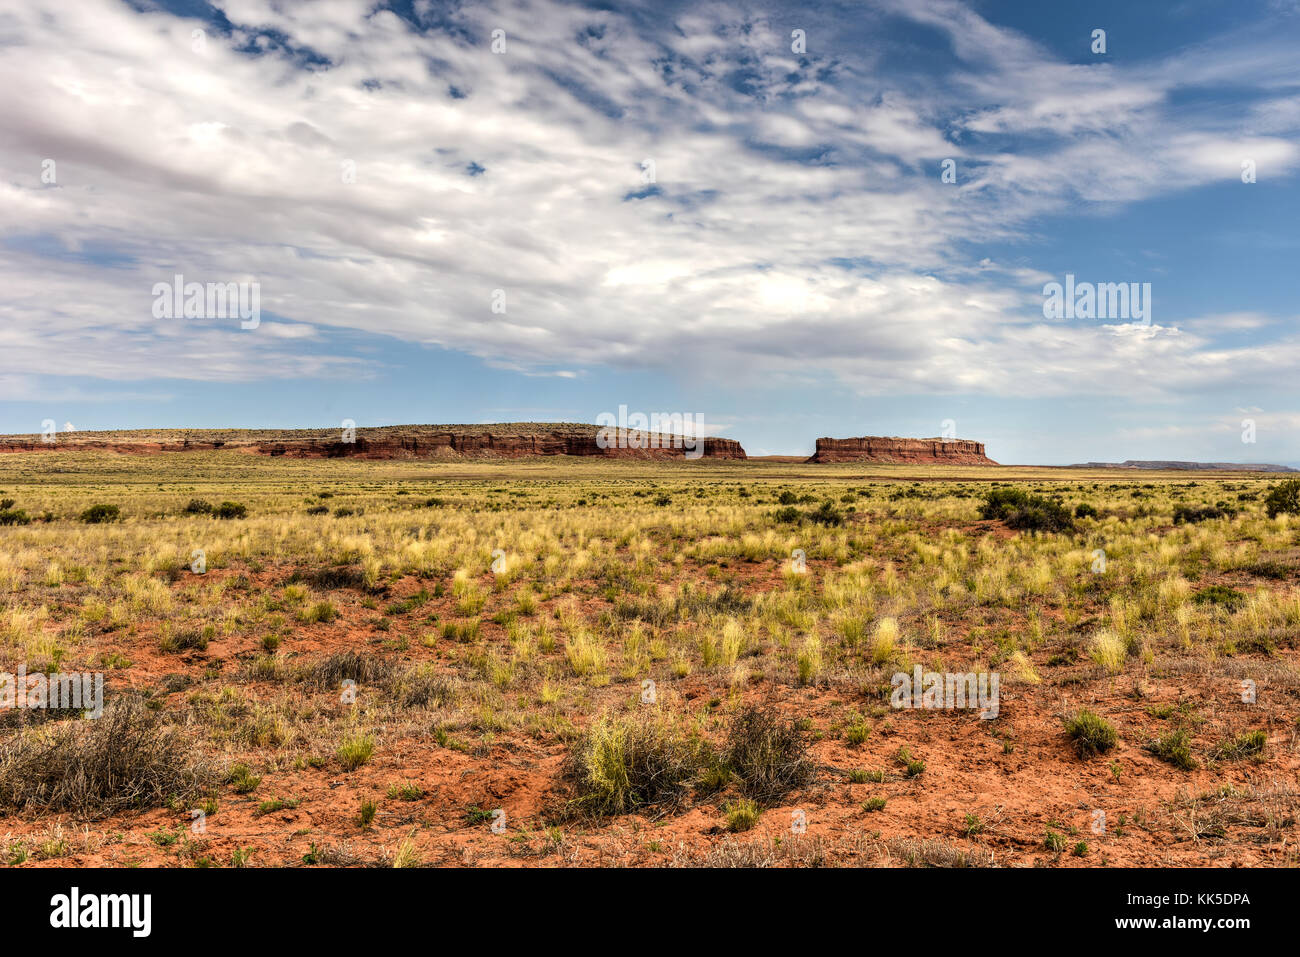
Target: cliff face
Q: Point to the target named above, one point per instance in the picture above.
(873, 448)
(392, 442)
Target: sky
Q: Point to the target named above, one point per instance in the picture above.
(793, 221)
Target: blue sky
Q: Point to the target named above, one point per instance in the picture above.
(797, 268)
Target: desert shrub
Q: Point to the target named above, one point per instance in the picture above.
(1084, 510)
(1251, 745)
(1283, 499)
(11, 516)
(1090, 733)
(332, 577)
(423, 687)
(125, 759)
(329, 673)
(186, 639)
(789, 515)
(197, 506)
(98, 514)
(767, 754)
(1221, 595)
(1190, 514)
(623, 763)
(318, 510)
(1021, 510)
(787, 497)
(230, 510)
(1174, 748)
(826, 514)
(6, 504)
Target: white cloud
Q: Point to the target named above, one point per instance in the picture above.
(226, 167)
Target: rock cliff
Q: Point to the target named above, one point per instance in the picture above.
(508, 440)
(874, 448)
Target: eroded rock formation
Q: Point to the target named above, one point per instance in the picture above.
(510, 440)
(875, 448)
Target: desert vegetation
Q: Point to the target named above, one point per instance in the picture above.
(387, 663)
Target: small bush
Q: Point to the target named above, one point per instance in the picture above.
(185, 640)
(329, 673)
(742, 814)
(197, 506)
(827, 514)
(125, 759)
(768, 754)
(10, 516)
(787, 515)
(1084, 510)
(624, 763)
(1251, 745)
(1190, 514)
(1020, 510)
(1221, 595)
(1174, 748)
(98, 514)
(318, 510)
(230, 510)
(1090, 733)
(1283, 499)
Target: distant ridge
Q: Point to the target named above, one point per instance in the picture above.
(495, 440)
(1185, 466)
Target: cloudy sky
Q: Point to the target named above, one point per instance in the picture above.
(731, 209)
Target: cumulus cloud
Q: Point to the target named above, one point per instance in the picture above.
(635, 191)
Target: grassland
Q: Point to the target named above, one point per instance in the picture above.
(558, 662)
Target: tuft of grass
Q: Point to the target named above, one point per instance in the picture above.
(1250, 744)
(1091, 734)
(355, 750)
(623, 763)
(742, 814)
(1174, 748)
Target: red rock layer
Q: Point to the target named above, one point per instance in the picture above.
(431, 444)
(872, 448)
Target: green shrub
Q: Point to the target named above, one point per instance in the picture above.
(623, 763)
(1251, 745)
(98, 514)
(1283, 498)
(1018, 509)
(1084, 510)
(1223, 595)
(197, 506)
(11, 516)
(827, 514)
(1090, 733)
(742, 814)
(1190, 514)
(1174, 748)
(230, 510)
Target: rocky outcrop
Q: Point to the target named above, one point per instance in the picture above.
(874, 448)
(509, 440)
